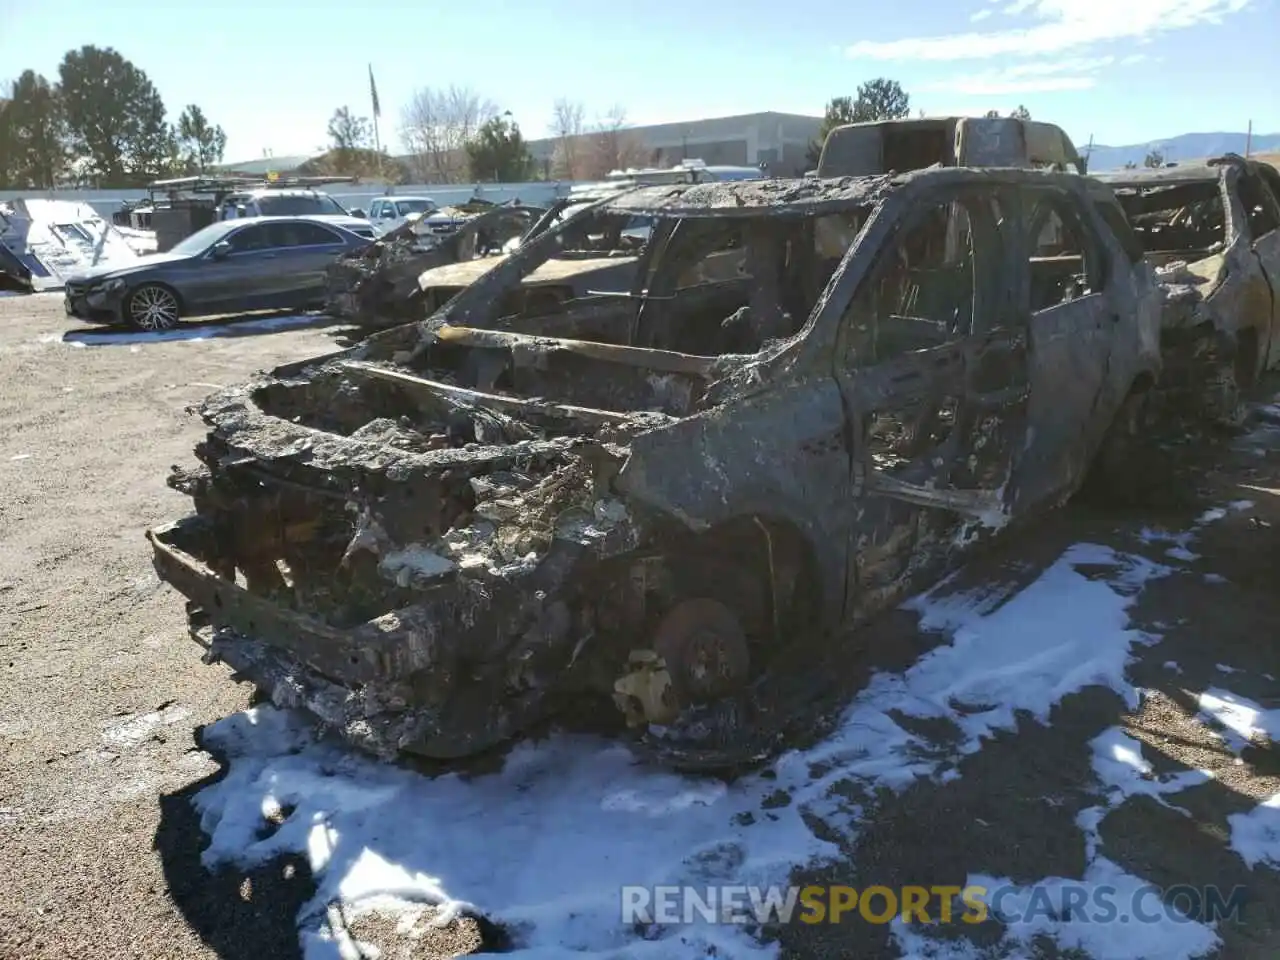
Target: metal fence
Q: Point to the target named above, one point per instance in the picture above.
(106, 202)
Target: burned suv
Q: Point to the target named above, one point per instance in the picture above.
(821, 394)
(1212, 232)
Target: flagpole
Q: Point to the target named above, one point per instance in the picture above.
(377, 112)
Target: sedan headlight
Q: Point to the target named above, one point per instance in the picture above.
(108, 286)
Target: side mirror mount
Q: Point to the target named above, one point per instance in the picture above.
(221, 249)
(357, 212)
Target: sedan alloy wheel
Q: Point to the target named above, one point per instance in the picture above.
(153, 307)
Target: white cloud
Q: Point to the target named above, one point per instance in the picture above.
(1038, 76)
(980, 15)
(990, 85)
(1062, 25)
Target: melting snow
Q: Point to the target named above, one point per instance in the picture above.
(1241, 717)
(1067, 910)
(112, 337)
(135, 730)
(544, 846)
(1119, 765)
(1256, 835)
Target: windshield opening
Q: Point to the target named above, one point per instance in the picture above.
(739, 284)
(406, 207)
(1187, 219)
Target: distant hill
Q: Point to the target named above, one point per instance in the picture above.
(1185, 146)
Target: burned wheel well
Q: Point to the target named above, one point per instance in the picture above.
(777, 553)
(1246, 360)
(1142, 383)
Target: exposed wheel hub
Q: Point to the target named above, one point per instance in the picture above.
(699, 656)
(705, 650)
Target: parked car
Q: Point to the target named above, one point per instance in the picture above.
(390, 212)
(228, 267)
(281, 202)
(1212, 232)
(666, 507)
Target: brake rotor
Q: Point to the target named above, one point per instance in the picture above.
(705, 650)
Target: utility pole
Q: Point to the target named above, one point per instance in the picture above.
(1248, 140)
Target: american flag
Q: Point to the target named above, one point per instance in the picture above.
(373, 92)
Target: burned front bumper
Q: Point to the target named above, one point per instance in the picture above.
(391, 685)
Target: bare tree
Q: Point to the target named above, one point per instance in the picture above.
(612, 146)
(436, 127)
(567, 128)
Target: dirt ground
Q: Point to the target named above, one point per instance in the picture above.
(91, 645)
(100, 689)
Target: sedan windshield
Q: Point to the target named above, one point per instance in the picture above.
(202, 240)
(406, 207)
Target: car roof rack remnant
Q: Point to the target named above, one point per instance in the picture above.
(230, 182)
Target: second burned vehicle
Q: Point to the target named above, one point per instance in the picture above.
(377, 285)
(1212, 232)
(438, 538)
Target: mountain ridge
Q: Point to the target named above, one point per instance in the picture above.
(1183, 147)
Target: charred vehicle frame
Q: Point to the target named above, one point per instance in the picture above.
(378, 286)
(437, 539)
(597, 255)
(1212, 233)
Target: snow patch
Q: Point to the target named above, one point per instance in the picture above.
(1120, 767)
(1255, 835)
(1052, 909)
(544, 845)
(135, 730)
(1067, 910)
(203, 331)
(1244, 720)
(414, 561)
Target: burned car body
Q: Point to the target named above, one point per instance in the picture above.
(913, 143)
(442, 536)
(597, 254)
(378, 285)
(1212, 232)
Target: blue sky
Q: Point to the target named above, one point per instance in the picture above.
(271, 73)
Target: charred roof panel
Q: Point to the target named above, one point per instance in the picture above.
(812, 196)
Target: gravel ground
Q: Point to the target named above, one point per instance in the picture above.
(100, 689)
(99, 686)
